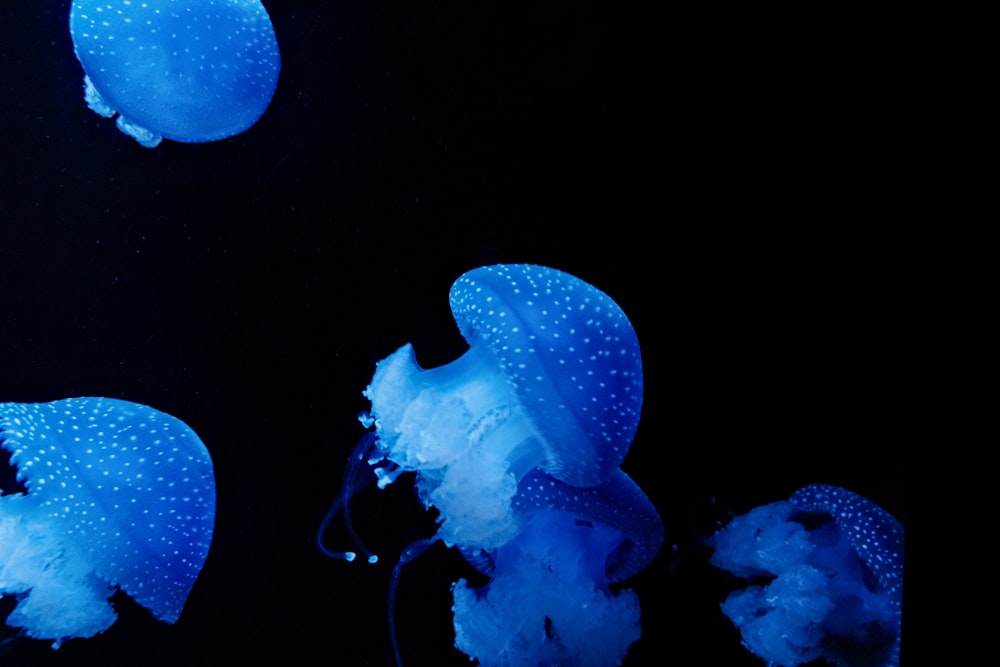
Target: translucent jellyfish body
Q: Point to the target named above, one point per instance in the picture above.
(187, 70)
(117, 495)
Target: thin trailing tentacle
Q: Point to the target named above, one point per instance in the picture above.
(357, 475)
(413, 550)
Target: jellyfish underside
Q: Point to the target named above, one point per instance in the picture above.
(548, 601)
(464, 431)
(459, 426)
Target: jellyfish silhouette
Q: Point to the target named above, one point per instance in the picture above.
(833, 565)
(117, 495)
(518, 445)
(188, 70)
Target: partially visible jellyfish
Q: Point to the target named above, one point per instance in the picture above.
(829, 563)
(117, 495)
(517, 444)
(187, 70)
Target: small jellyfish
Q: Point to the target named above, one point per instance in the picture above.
(831, 566)
(117, 494)
(187, 70)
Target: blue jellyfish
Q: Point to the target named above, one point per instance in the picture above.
(188, 70)
(518, 445)
(830, 567)
(117, 495)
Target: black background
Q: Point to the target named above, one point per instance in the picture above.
(733, 184)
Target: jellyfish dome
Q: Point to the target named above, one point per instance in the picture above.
(192, 71)
(518, 445)
(830, 567)
(118, 495)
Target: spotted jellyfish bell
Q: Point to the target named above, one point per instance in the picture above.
(552, 379)
(192, 71)
(117, 495)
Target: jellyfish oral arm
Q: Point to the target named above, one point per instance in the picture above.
(60, 598)
(420, 414)
(549, 602)
(463, 430)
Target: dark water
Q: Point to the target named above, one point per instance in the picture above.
(731, 189)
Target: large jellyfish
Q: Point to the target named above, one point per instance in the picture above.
(517, 444)
(188, 70)
(829, 563)
(117, 494)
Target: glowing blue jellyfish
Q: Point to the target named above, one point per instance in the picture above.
(188, 70)
(833, 563)
(118, 494)
(517, 444)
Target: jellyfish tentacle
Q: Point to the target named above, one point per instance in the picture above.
(412, 550)
(335, 508)
(357, 476)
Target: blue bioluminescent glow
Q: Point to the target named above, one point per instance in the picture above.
(833, 561)
(187, 70)
(517, 444)
(117, 494)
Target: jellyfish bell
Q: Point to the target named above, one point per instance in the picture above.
(185, 70)
(570, 355)
(117, 495)
(873, 534)
(618, 503)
